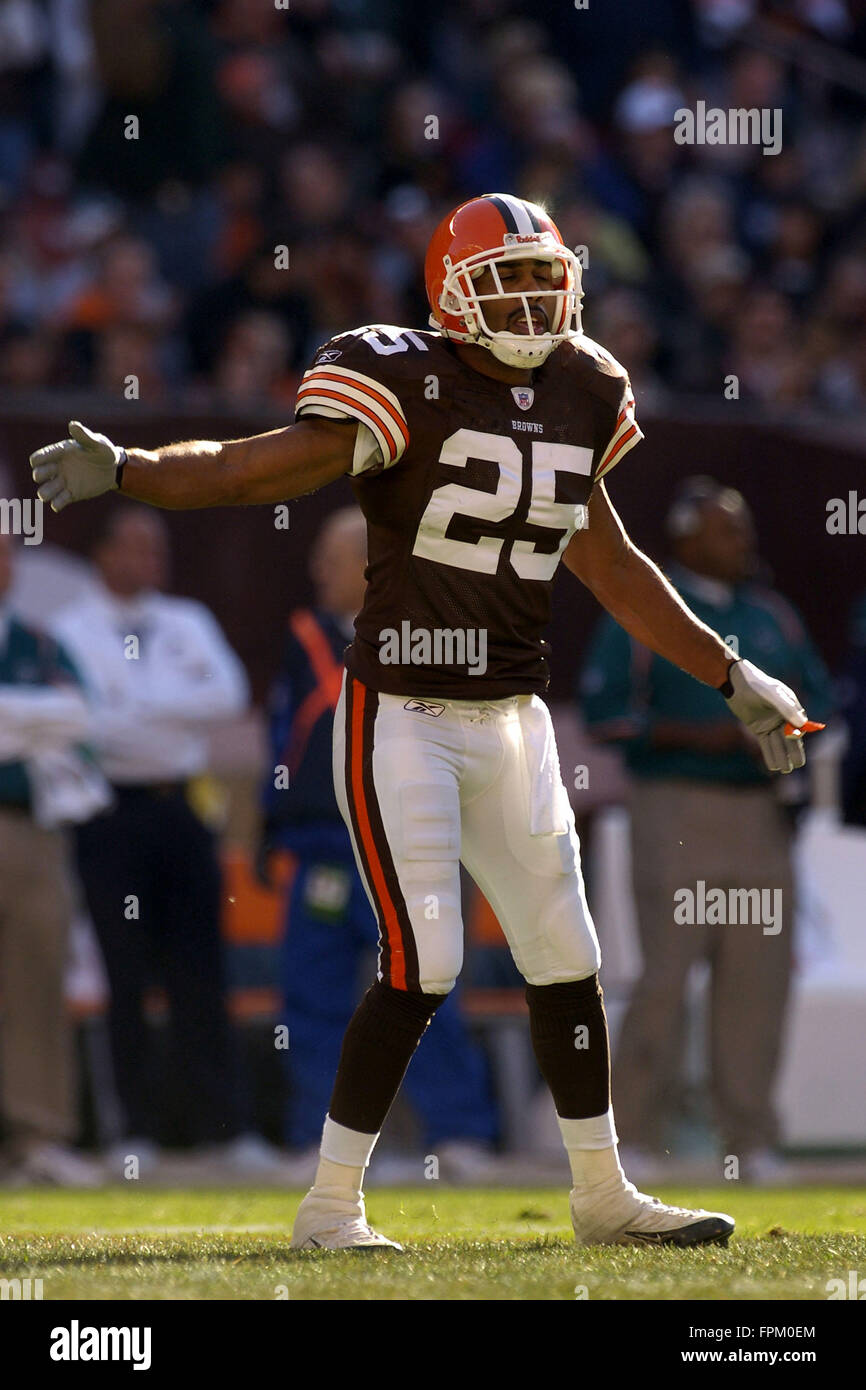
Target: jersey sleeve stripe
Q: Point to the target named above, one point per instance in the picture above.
(627, 423)
(618, 447)
(360, 382)
(321, 395)
(364, 392)
(625, 413)
(629, 431)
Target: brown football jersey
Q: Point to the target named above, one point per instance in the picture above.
(472, 489)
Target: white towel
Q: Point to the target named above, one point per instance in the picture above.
(37, 717)
(66, 788)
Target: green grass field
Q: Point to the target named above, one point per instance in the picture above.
(504, 1244)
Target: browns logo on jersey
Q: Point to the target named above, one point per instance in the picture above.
(471, 489)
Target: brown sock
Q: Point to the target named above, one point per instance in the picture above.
(569, 1037)
(382, 1036)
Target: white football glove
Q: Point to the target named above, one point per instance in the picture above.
(765, 705)
(85, 465)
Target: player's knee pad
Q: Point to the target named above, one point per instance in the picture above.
(565, 946)
(440, 958)
(427, 855)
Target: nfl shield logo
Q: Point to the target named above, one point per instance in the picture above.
(523, 395)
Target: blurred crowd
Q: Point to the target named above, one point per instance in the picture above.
(155, 155)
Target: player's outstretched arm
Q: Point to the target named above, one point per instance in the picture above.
(635, 592)
(272, 467)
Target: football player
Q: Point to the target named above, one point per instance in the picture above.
(478, 452)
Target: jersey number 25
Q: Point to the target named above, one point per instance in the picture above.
(482, 556)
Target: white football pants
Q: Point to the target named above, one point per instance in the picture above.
(424, 784)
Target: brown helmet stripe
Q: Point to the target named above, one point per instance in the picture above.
(515, 213)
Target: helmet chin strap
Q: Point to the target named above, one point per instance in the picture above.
(516, 349)
(516, 354)
(511, 349)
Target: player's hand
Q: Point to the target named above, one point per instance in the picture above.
(85, 465)
(765, 706)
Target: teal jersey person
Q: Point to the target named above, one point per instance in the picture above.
(854, 709)
(672, 726)
(705, 815)
(44, 722)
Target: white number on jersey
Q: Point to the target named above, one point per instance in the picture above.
(395, 339)
(482, 556)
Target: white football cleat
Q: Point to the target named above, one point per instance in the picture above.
(326, 1224)
(615, 1213)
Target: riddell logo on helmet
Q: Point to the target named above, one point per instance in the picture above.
(517, 239)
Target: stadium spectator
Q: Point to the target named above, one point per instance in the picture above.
(767, 359)
(161, 674)
(128, 360)
(24, 47)
(26, 357)
(330, 928)
(126, 289)
(703, 810)
(252, 368)
(623, 324)
(155, 61)
(43, 714)
(320, 129)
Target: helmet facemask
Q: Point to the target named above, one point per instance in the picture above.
(561, 302)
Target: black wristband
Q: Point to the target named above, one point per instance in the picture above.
(727, 688)
(118, 472)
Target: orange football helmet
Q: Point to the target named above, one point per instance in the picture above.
(488, 231)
